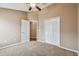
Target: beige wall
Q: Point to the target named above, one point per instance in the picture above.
(68, 14)
(10, 26)
(33, 16)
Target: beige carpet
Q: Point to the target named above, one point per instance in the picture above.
(35, 49)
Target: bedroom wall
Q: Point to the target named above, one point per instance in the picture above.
(10, 26)
(68, 23)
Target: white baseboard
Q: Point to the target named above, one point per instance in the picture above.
(11, 45)
(61, 47)
(69, 49)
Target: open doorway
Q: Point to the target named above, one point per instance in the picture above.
(28, 30)
(33, 30)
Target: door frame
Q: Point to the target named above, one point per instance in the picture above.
(29, 28)
(58, 29)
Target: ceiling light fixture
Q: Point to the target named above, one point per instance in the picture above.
(34, 5)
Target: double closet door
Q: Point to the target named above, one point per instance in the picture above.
(52, 31)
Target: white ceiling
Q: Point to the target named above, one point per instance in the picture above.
(22, 6)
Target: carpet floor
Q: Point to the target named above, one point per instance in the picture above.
(35, 49)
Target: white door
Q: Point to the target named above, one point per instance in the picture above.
(25, 30)
(52, 31)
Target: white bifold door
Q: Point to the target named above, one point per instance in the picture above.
(25, 31)
(52, 31)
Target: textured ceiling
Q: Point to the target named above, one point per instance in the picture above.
(22, 6)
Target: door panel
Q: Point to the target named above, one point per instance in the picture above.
(25, 30)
